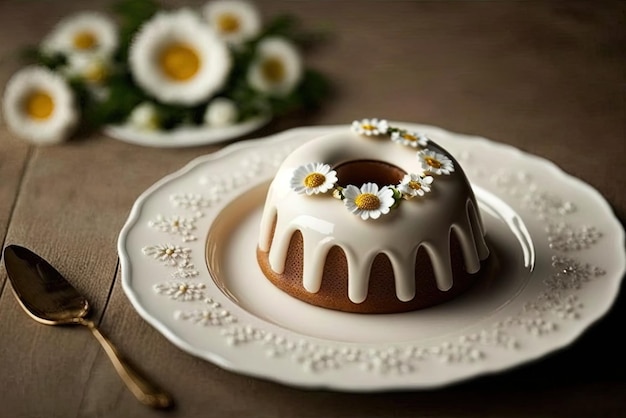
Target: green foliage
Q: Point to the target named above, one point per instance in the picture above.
(34, 55)
(122, 97)
(123, 94)
(131, 14)
(283, 25)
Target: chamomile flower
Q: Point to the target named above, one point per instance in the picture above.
(93, 68)
(178, 59)
(83, 33)
(412, 139)
(234, 21)
(39, 106)
(434, 162)
(313, 178)
(370, 127)
(413, 185)
(144, 117)
(277, 67)
(221, 112)
(368, 201)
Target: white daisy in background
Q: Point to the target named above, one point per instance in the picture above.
(234, 21)
(83, 33)
(412, 139)
(313, 178)
(93, 68)
(178, 59)
(435, 163)
(368, 202)
(415, 185)
(39, 106)
(144, 117)
(277, 67)
(221, 112)
(370, 127)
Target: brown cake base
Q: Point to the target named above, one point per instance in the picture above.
(381, 297)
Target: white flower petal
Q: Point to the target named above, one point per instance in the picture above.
(351, 192)
(385, 192)
(386, 203)
(369, 188)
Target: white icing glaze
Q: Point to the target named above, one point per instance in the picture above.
(324, 221)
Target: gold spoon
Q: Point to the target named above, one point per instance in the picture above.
(50, 299)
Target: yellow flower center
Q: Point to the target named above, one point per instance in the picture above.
(96, 73)
(39, 105)
(228, 23)
(368, 127)
(314, 180)
(409, 137)
(367, 201)
(415, 185)
(273, 70)
(432, 162)
(84, 40)
(179, 61)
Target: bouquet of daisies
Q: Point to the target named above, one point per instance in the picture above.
(159, 70)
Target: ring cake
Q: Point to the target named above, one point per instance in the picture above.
(375, 219)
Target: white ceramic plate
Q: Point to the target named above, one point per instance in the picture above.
(188, 136)
(560, 253)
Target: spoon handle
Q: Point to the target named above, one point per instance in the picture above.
(145, 391)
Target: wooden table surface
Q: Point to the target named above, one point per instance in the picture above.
(545, 77)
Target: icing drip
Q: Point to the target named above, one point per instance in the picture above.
(313, 270)
(477, 231)
(315, 250)
(404, 278)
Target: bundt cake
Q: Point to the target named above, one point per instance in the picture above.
(405, 234)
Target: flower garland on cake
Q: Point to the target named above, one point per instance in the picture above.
(158, 69)
(369, 201)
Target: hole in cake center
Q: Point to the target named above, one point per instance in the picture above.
(360, 172)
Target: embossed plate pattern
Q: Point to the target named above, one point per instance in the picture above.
(522, 315)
